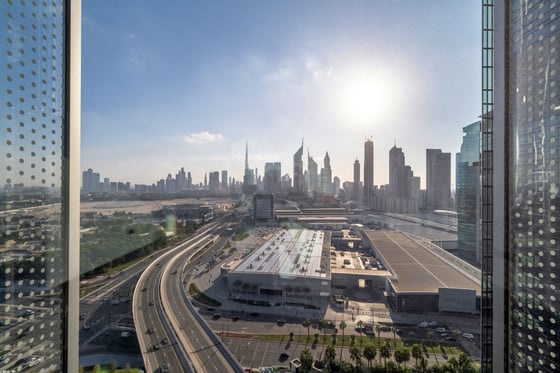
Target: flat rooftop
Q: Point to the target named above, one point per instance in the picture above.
(416, 268)
(289, 253)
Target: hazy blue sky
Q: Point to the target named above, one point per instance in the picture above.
(184, 84)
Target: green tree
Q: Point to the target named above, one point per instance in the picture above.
(369, 353)
(360, 329)
(356, 355)
(307, 323)
(96, 369)
(394, 330)
(342, 326)
(378, 330)
(385, 353)
(306, 360)
(416, 353)
(402, 355)
(330, 355)
(423, 366)
(324, 324)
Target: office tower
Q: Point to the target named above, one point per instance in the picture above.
(263, 207)
(272, 177)
(40, 95)
(336, 185)
(326, 175)
(312, 175)
(189, 180)
(467, 176)
(438, 179)
(357, 185)
(90, 181)
(286, 183)
(214, 181)
(520, 178)
(398, 177)
(298, 183)
(224, 180)
(368, 173)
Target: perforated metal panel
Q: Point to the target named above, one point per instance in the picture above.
(32, 266)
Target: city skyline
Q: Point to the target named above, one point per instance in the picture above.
(310, 78)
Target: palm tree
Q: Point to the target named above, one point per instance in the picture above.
(360, 328)
(323, 325)
(369, 353)
(356, 355)
(306, 360)
(416, 353)
(378, 330)
(423, 366)
(342, 326)
(307, 323)
(405, 355)
(385, 353)
(330, 355)
(394, 330)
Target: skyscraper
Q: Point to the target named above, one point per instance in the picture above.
(272, 177)
(326, 175)
(40, 95)
(357, 185)
(298, 184)
(520, 178)
(249, 182)
(467, 176)
(438, 179)
(368, 173)
(312, 174)
(398, 186)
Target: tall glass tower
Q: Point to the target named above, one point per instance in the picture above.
(521, 277)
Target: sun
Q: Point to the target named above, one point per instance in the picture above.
(365, 97)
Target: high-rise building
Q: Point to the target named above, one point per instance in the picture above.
(90, 181)
(357, 184)
(263, 207)
(40, 95)
(398, 177)
(224, 180)
(214, 181)
(368, 173)
(272, 177)
(298, 181)
(438, 179)
(326, 175)
(467, 195)
(249, 181)
(312, 175)
(520, 179)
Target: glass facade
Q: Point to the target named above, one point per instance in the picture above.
(533, 101)
(468, 195)
(37, 297)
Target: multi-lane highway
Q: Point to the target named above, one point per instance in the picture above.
(171, 334)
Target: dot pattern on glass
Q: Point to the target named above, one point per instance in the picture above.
(534, 171)
(31, 258)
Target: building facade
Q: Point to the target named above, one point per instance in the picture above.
(298, 181)
(467, 182)
(438, 179)
(520, 178)
(368, 173)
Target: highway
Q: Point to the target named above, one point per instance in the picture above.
(171, 334)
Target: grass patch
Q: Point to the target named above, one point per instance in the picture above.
(197, 295)
(240, 235)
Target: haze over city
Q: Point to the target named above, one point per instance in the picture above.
(188, 84)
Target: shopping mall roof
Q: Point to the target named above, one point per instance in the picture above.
(415, 268)
(294, 252)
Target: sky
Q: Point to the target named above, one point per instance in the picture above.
(187, 84)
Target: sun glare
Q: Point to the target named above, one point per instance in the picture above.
(365, 98)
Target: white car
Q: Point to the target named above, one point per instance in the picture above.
(468, 335)
(433, 323)
(423, 324)
(440, 330)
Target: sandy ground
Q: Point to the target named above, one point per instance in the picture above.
(141, 207)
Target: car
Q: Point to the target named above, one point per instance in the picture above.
(125, 334)
(450, 339)
(157, 346)
(399, 331)
(151, 303)
(468, 335)
(82, 315)
(216, 316)
(280, 322)
(254, 314)
(235, 318)
(150, 331)
(164, 367)
(433, 323)
(144, 289)
(423, 324)
(29, 312)
(443, 334)
(440, 330)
